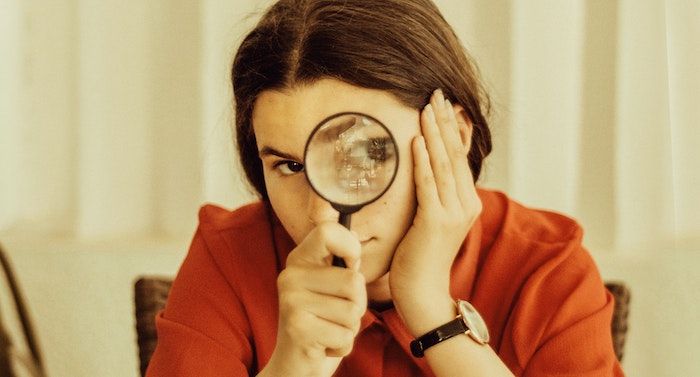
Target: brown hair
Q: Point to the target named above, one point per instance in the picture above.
(404, 47)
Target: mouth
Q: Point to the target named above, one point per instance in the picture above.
(366, 241)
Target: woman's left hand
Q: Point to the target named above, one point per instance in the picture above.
(448, 206)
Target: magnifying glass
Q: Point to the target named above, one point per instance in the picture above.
(350, 160)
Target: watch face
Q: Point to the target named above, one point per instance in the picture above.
(477, 326)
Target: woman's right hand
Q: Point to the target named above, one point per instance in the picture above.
(320, 306)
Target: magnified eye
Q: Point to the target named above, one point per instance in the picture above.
(377, 149)
(287, 167)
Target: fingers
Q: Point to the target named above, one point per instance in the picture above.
(426, 192)
(447, 144)
(341, 312)
(323, 242)
(342, 283)
(439, 159)
(315, 335)
(458, 140)
(320, 308)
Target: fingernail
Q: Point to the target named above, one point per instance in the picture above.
(429, 110)
(448, 104)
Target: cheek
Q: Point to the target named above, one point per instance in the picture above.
(288, 202)
(405, 196)
(397, 206)
(404, 188)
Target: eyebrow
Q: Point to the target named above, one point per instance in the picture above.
(269, 151)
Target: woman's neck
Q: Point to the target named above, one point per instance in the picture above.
(379, 294)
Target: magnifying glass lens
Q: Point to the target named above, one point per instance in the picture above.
(351, 159)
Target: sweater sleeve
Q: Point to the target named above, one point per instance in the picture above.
(203, 330)
(565, 319)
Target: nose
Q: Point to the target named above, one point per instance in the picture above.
(320, 209)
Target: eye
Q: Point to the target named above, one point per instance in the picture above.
(287, 167)
(377, 149)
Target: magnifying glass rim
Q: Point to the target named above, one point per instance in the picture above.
(313, 133)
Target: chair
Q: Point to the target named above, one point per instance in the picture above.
(620, 313)
(151, 293)
(13, 359)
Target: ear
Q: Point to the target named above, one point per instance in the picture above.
(465, 125)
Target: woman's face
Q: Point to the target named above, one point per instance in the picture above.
(283, 120)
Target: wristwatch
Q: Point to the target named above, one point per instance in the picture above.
(467, 322)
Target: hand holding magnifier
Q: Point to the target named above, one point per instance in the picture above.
(350, 160)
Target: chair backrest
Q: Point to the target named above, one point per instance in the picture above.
(17, 356)
(619, 321)
(151, 293)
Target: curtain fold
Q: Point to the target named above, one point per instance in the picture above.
(657, 123)
(683, 43)
(601, 117)
(116, 119)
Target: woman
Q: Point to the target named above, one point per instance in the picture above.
(257, 294)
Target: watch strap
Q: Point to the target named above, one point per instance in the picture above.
(440, 334)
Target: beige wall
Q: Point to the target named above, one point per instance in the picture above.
(114, 128)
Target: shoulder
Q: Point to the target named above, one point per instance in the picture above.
(218, 218)
(529, 240)
(532, 242)
(239, 237)
(504, 216)
(213, 279)
(537, 255)
(538, 261)
(233, 250)
(226, 230)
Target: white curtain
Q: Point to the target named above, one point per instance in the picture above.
(596, 112)
(115, 124)
(115, 119)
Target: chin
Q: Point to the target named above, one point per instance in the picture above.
(373, 272)
(375, 262)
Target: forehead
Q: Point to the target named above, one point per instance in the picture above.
(284, 119)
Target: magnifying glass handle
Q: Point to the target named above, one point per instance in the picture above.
(344, 220)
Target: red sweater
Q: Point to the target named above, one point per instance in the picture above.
(525, 270)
